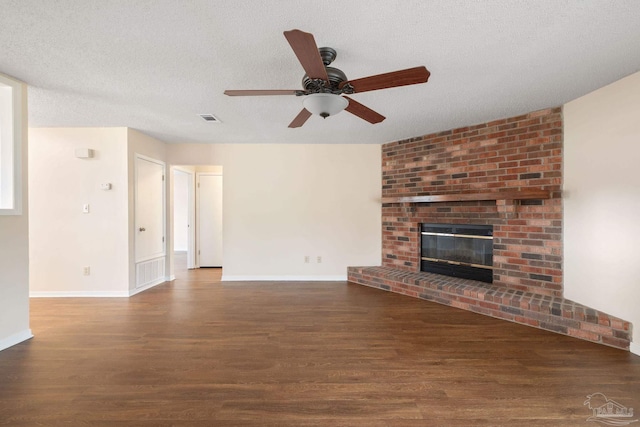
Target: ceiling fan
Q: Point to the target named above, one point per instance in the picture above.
(325, 87)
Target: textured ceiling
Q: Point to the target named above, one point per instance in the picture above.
(153, 65)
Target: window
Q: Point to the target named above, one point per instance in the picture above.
(11, 132)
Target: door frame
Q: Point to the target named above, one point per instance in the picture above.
(191, 215)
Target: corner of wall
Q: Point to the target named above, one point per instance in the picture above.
(14, 258)
(634, 348)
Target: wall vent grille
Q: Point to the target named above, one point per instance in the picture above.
(209, 118)
(150, 272)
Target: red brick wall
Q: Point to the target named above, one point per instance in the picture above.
(523, 152)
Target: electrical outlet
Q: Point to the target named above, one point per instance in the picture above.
(306, 259)
(319, 259)
(86, 271)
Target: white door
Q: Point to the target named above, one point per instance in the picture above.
(149, 209)
(209, 220)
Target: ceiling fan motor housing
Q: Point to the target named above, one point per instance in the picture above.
(336, 77)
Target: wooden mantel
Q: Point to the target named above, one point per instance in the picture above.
(468, 197)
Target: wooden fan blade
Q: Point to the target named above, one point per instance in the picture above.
(259, 92)
(409, 76)
(305, 48)
(365, 113)
(300, 119)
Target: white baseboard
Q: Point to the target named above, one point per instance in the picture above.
(15, 339)
(634, 348)
(99, 294)
(170, 278)
(228, 278)
(79, 294)
(132, 292)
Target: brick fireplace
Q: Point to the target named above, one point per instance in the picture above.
(508, 174)
(519, 153)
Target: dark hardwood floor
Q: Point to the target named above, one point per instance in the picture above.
(197, 352)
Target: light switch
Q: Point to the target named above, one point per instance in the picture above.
(84, 153)
(85, 208)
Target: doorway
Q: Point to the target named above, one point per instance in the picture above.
(184, 218)
(196, 192)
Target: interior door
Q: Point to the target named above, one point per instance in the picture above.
(209, 220)
(149, 209)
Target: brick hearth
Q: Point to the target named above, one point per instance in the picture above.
(554, 314)
(515, 155)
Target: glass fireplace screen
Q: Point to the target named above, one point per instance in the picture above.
(458, 250)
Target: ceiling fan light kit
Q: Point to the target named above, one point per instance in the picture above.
(324, 85)
(324, 104)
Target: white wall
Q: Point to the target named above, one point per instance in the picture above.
(282, 202)
(14, 260)
(6, 148)
(63, 239)
(602, 201)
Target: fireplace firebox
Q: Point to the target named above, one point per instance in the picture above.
(458, 250)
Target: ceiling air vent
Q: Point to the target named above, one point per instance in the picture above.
(209, 118)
